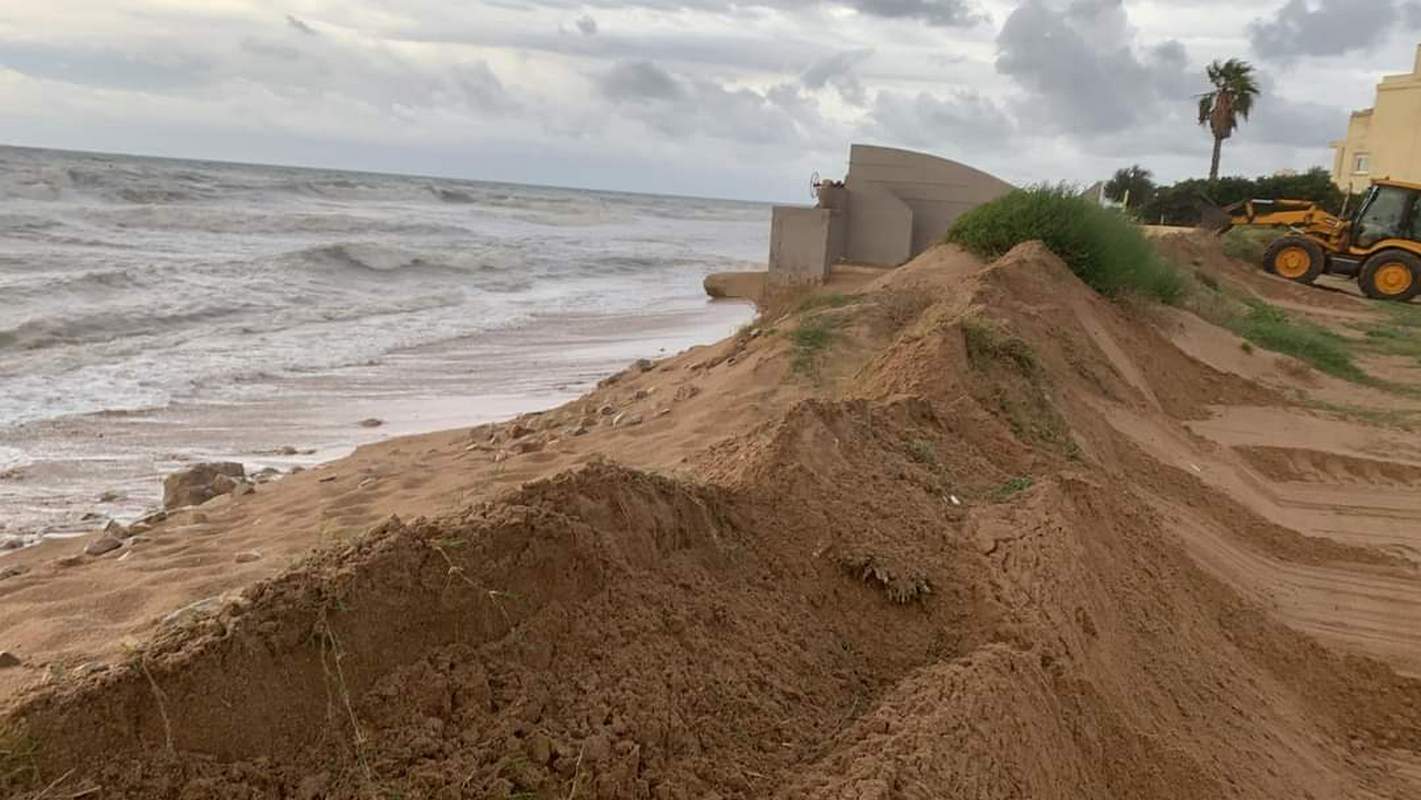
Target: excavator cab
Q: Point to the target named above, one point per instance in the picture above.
(1380, 245)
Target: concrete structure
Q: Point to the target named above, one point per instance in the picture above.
(1383, 141)
(892, 205)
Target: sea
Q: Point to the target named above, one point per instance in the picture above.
(156, 312)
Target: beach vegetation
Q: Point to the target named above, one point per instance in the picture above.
(820, 300)
(1012, 487)
(923, 452)
(1270, 328)
(810, 339)
(1100, 245)
(986, 342)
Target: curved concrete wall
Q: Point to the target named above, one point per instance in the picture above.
(935, 190)
(892, 205)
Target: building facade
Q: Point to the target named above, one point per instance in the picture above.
(1383, 141)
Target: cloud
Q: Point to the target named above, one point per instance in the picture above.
(301, 26)
(638, 81)
(586, 25)
(1329, 27)
(837, 70)
(1080, 70)
(963, 120)
(944, 13)
(684, 108)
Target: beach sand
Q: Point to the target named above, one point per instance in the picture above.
(983, 534)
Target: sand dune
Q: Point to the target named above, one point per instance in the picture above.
(974, 531)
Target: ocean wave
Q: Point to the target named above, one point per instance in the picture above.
(368, 257)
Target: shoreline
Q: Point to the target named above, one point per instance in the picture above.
(76, 462)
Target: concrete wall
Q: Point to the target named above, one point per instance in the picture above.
(1388, 134)
(935, 191)
(892, 205)
(799, 244)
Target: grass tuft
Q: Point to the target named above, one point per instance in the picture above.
(820, 300)
(1101, 246)
(810, 339)
(1269, 327)
(923, 452)
(1011, 488)
(987, 343)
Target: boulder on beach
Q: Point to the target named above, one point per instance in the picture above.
(201, 482)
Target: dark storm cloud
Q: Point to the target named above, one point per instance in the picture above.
(301, 26)
(1079, 68)
(1329, 27)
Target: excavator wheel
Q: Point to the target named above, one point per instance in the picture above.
(1391, 275)
(1296, 258)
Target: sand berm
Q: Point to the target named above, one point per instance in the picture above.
(949, 535)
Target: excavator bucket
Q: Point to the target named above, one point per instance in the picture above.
(1214, 219)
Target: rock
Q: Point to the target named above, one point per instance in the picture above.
(687, 391)
(110, 496)
(367, 483)
(661, 412)
(201, 482)
(580, 430)
(644, 364)
(626, 418)
(105, 544)
(8, 659)
(286, 450)
(69, 561)
(243, 488)
(297, 468)
(371, 422)
(224, 484)
(117, 531)
(247, 557)
(607, 410)
(12, 543)
(518, 431)
(641, 394)
(13, 571)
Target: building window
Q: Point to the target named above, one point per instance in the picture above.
(1361, 164)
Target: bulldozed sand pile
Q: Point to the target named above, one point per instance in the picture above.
(971, 531)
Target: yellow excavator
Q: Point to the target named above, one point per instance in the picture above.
(1380, 245)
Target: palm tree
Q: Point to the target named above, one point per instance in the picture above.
(1229, 102)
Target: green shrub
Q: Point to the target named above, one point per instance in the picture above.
(1100, 245)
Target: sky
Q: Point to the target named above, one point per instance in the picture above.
(700, 97)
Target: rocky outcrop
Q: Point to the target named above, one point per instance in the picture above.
(202, 482)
